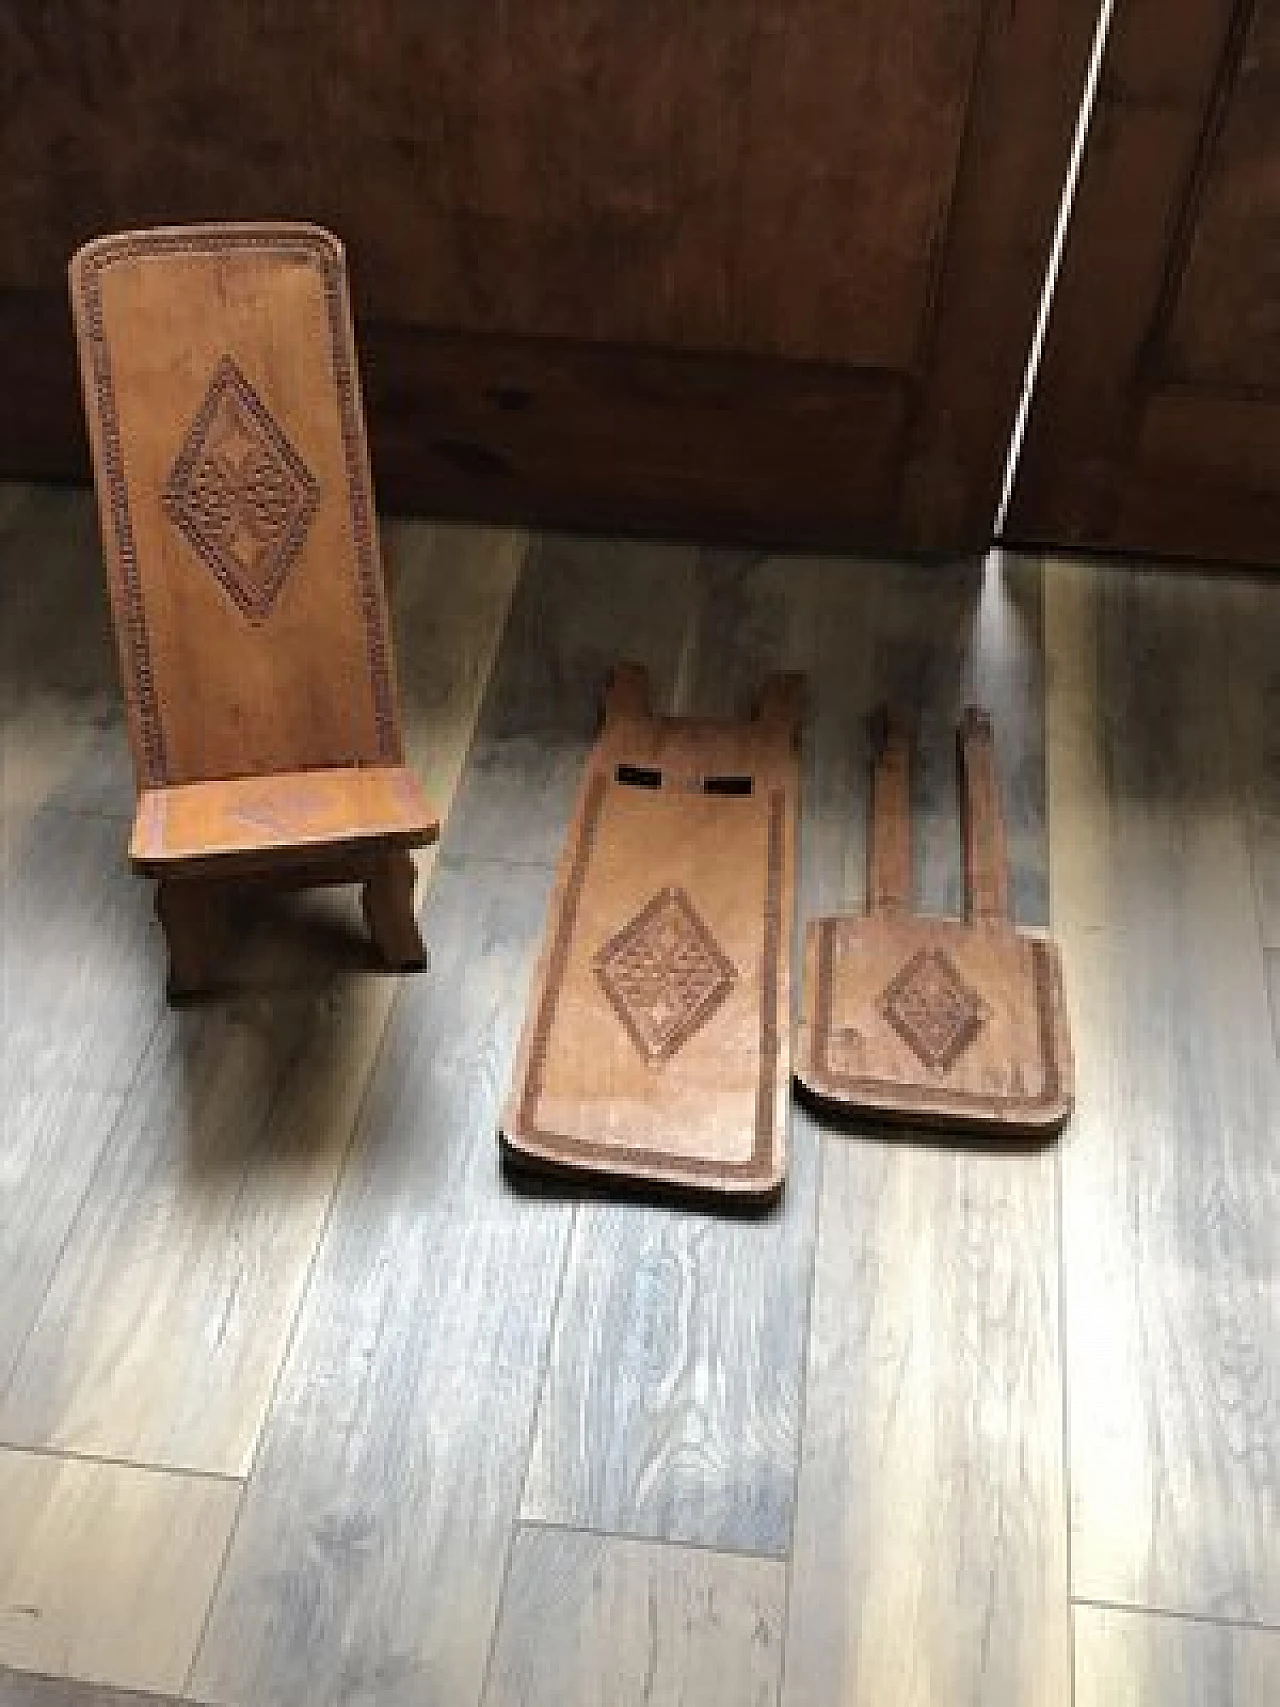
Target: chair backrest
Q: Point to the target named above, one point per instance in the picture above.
(223, 403)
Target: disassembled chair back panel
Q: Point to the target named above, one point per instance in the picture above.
(936, 1021)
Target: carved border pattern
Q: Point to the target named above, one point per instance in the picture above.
(945, 1096)
(316, 250)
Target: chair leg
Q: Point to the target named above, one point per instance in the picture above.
(185, 911)
(388, 912)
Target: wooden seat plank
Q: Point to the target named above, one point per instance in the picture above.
(205, 827)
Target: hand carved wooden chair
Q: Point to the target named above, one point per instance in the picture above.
(225, 421)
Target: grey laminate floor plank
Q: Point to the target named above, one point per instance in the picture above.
(162, 1332)
(672, 1401)
(582, 605)
(1171, 1182)
(411, 1419)
(163, 1326)
(451, 588)
(62, 730)
(374, 1537)
(106, 1570)
(80, 998)
(1253, 689)
(589, 1620)
(370, 1552)
(51, 1137)
(26, 1689)
(1141, 1659)
(929, 1561)
(81, 963)
(13, 495)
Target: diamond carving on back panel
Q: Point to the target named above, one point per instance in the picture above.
(664, 974)
(240, 493)
(933, 1010)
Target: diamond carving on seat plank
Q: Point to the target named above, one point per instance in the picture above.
(664, 974)
(933, 1010)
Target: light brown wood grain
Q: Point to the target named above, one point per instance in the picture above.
(1170, 1189)
(590, 1618)
(105, 1570)
(955, 1023)
(245, 823)
(225, 422)
(1141, 1659)
(656, 1042)
(221, 398)
(929, 1559)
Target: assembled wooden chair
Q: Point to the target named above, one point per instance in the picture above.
(223, 403)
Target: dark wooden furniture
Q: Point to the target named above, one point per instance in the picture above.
(1155, 423)
(933, 1020)
(224, 413)
(743, 268)
(657, 1041)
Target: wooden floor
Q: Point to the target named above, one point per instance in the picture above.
(303, 1402)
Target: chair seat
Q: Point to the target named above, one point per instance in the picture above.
(245, 823)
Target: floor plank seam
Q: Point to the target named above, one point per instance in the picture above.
(1066, 1408)
(644, 1538)
(1270, 956)
(464, 862)
(1180, 1614)
(1059, 1190)
(60, 1681)
(99, 814)
(801, 1410)
(73, 1221)
(106, 1461)
(304, 1292)
(531, 1435)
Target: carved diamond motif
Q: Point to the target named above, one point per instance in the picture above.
(933, 1010)
(664, 974)
(240, 493)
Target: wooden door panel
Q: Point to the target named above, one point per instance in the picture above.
(1224, 329)
(808, 194)
(1155, 422)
